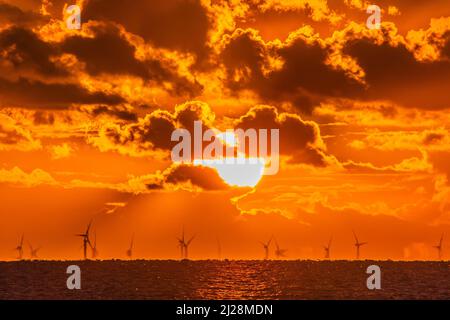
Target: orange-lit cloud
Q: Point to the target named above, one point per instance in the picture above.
(86, 118)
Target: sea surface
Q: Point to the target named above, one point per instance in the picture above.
(154, 279)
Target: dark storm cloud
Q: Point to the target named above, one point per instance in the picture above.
(174, 24)
(54, 95)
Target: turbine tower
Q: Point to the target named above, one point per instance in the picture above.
(327, 249)
(279, 252)
(94, 247)
(181, 244)
(33, 251)
(266, 248)
(86, 240)
(186, 246)
(358, 245)
(130, 249)
(19, 248)
(439, 247)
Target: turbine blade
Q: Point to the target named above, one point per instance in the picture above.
(356, 238)
(190, 240)
(88, 227)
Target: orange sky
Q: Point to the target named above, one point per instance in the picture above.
(86, 117)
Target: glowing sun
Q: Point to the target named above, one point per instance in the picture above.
(240, 172)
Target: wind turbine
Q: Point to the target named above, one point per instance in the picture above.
(181, 244)
(279, 252)
(94, 247)
(86, 240)
(33, 251)
(439, 247)
(130, 250)
(266, 248)
(186, 246)
(358, 244)
(19, 248)
(327, 249)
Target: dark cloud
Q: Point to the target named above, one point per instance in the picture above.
(43, 118)
(26, 5)
(28, 58)
(10, 137)
(300, 140)
(433, 137)
(304, 79)
(120, 113)
(174, 24)
(13, 136)
(9, 13)
(393, 73)
(446, 49)
(109, 52)
(24, 50)
(154, 130)
(203, 177)
(53, 95)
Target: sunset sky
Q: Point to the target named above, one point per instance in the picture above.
(86, 118)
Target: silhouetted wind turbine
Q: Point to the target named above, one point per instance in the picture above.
(186, 246)
(439, 247)
(327, 249)
(86, 240)
(181, 244)
(279, 252)
(130, 250)
(266, 248)
(94, 247)
(19, 248)
(358, 244)
(33, 251)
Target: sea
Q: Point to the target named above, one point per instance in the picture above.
(222, 280)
